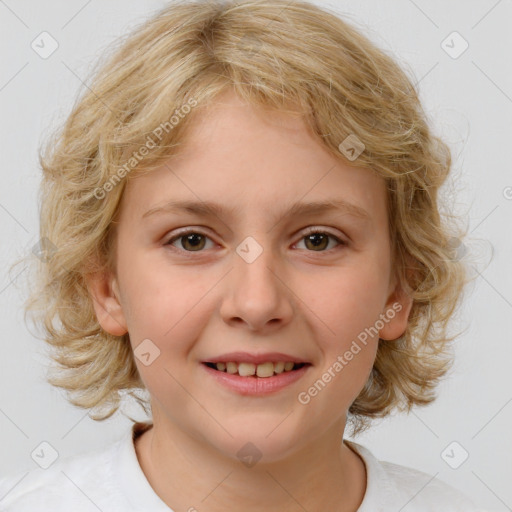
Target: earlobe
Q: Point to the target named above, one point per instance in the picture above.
(104, 293)
(396, 313)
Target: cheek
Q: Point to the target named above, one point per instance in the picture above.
(346, 300)
(155, 293)
(344, 311)
(168, 306)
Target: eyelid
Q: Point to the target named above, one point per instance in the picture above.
(320, 229)
(189, 229)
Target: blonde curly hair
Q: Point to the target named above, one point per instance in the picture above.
(293, 57)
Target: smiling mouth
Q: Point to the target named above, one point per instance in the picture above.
(262, 370)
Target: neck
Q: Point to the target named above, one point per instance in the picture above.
(188, 474)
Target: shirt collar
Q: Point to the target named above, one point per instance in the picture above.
(379, 489)
(130, 477)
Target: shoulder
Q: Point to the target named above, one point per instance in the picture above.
(76, 482)
(392, 486)
(424, 491)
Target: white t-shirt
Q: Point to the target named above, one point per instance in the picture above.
(111, 480)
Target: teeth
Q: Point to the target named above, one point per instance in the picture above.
(246, 369)
(230, 367)
(279, 367)
(265, 370)
(261, 370)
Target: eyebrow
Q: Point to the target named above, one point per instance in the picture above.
(206, 209)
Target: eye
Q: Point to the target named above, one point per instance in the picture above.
(191, 241)
(318, 240)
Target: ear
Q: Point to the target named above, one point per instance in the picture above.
(104, 293)
(396, 312)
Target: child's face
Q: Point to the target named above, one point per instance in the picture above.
(308, 298)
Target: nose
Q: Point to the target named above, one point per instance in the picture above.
(256, 293)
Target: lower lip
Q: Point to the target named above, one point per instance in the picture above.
(256, 385)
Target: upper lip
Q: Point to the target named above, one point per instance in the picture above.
(246, 357)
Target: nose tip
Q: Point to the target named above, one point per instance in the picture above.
(256, 296)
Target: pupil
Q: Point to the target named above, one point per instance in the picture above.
(314, 240)
(194, 239)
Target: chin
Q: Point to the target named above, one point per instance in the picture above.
(258, 441)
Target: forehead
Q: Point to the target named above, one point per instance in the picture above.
(239, 158)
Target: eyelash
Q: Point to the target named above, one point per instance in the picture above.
(310, 231)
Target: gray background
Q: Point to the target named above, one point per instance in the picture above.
(469, 99)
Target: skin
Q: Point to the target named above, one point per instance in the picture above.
(294, 298)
